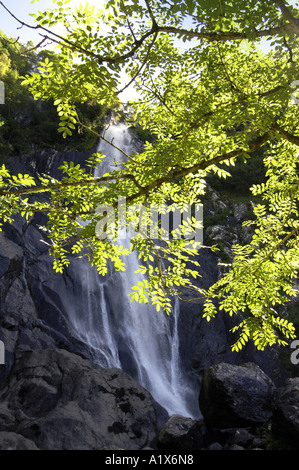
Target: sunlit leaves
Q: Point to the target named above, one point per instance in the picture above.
(68, 117)
(263, 273)
(206, 105)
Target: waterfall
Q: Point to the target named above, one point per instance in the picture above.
(128, 335)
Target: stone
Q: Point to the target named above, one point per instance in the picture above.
(215, 446)
(243, 437)
(285, 420)
(182, 434)
(235, 447)
(257, 443)
(13, 441)
(242, 211)
(58, 401)
(11, 255)
(236, 396)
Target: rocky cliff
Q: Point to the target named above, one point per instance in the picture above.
(54, 395)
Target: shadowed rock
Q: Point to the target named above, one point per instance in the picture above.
(59, 401)
(233, 396)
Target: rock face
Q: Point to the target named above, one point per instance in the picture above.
(211, 341)
(53, 394)
(235, 396)
(56, 400)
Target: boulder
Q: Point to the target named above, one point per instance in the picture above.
(236, 396)
(182, 434)
(58, 401)
(285, 420)
(13, 441)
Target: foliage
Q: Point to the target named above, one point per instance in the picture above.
(242, 177)
(210, 96)
(25, 121)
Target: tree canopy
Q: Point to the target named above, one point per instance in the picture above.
(211, 95)
(26, 123)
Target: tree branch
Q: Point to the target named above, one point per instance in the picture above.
(62, 41)
(141, 66)
(202, 165)
(224, 36)
(294, 22)
(64, 184)
(149, 9)
(294, 139)
(155, 29)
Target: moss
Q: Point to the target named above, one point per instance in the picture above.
(271, 443)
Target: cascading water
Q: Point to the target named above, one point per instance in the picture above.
(128, 335)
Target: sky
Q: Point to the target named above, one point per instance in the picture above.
(22, 9)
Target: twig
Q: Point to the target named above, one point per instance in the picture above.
(141, 66)
(109, 142)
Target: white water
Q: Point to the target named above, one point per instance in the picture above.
(128, 335)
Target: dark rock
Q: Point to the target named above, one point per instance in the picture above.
(112, 448)
(59, 401)
(180, 433)
(236, 396)
(285, 420)
(243, 437)
(13, 441)
(11, 255)
(215, 446)
(257, 443)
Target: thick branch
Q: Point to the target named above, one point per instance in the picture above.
(63, 184)
(155, 29)
(294, 22)
(202, 165)
(224, 36)
(294, 139)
